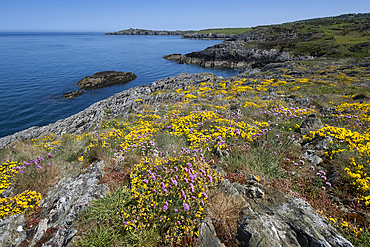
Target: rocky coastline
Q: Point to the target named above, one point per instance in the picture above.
(268, 217)
(297, 222)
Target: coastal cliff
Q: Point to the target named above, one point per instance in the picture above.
(338, 37)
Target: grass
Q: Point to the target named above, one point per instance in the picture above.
(158, 161)
(224, 30)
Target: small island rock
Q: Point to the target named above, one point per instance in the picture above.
(105, 78)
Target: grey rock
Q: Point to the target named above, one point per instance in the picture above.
(207, 235)
(313, 158)
(59, 210)
(311, 123)
(282, 220)
(12, 231)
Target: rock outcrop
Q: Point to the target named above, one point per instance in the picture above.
(72, 95)
(272, 218)
(59, 211)
(232, 54)
(105, 78)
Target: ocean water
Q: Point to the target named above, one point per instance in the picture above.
(37, 68)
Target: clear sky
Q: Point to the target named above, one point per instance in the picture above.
(115, 15)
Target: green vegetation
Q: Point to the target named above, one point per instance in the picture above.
(238, 30)
(339, 37)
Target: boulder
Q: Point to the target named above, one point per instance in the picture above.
(311, 123)
(105, 78)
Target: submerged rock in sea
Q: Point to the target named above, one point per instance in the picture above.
(72, 95)
(105, 78)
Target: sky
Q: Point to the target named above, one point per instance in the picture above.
(115, 15)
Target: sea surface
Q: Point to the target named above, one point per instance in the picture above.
(37, 68)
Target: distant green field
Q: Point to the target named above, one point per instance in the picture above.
(225, 30)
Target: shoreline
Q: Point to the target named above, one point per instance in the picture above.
(91, 117)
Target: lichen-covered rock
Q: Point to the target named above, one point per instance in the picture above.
(207, 235)
(311, 123)
(12, 231)
(60, 209)
(105, 78)
(277, 219)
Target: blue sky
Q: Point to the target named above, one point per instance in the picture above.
(115, 15)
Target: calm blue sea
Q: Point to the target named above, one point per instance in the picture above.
(37, 68)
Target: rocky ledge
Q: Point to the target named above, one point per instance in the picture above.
(105, 78)
(233, 54)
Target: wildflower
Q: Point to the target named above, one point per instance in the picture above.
(328, 184)
(179, 222)
(145, 181)
(191, 188)
(311, 168)
(204, 194)
(176, 210)
(50, 155)
(38, 167)
(301, 162)
(165, 207)
(186, 206)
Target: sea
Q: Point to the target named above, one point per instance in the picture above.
(37, 68)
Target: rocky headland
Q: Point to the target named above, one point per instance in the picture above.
(294, 41)
(145, 32)
(233, 54)
(183, 34)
